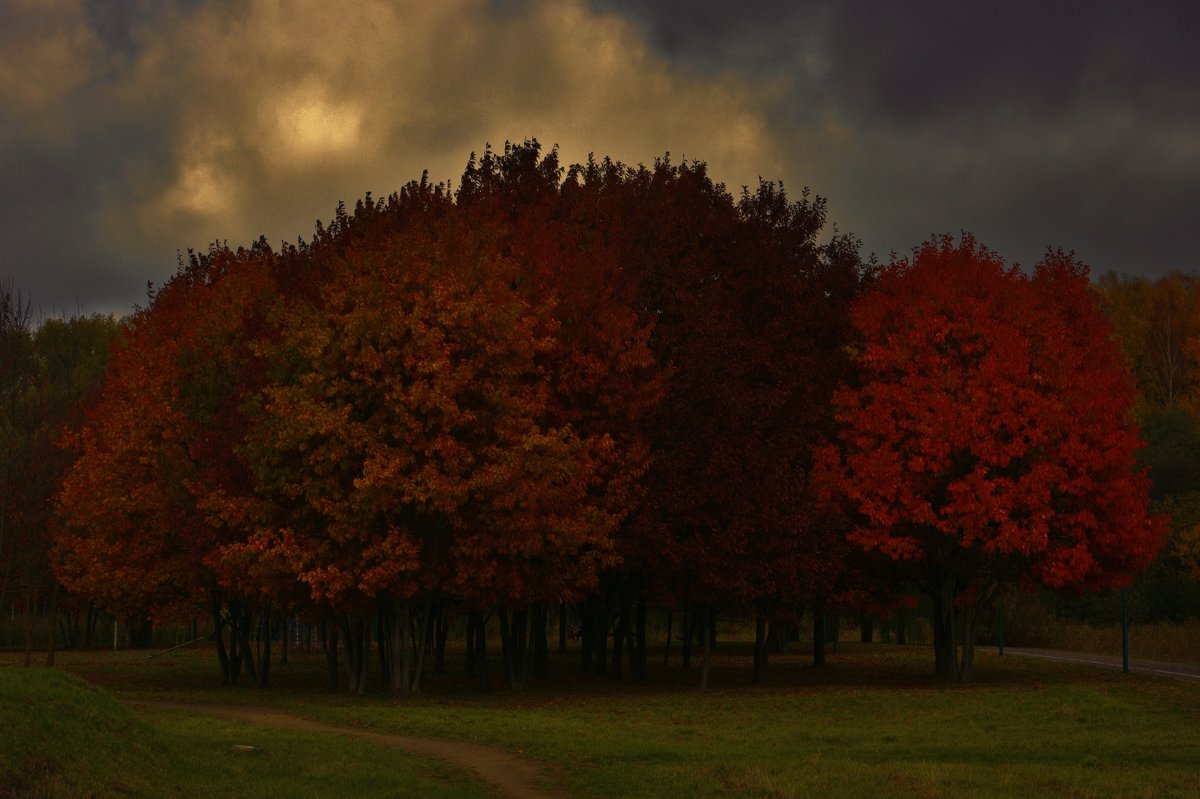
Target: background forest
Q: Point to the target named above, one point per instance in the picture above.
(585, 395)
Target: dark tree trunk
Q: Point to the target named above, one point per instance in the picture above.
(364, 658)
(600, 634)
(351, 653)
(245, 625)
(707, 627)
(760, 642)
(514, 642)
(541, 647)
(235, 650)
(238, 637)
(622, 632)
(68, 626)
(506, 647)
(285, 633)
(29, 616)
(779, 636)
(439, 643)
(587, 619)
(562, 628)
(667, 647)
(352, 633)
(329, 642)
(219, 640)
(640, 669)
(954, 631)
(480, 649)
(943, 635)
(421, 639)
(264, 657)
(53, 619)
(89, 628)
(385, 621)
(867, 628)
(472, 618)
(818, 636)
(521, 648)
(967, 664)
(400, 648)
(689, 632)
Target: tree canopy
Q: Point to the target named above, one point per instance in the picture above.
(990, 439)
(598, 387)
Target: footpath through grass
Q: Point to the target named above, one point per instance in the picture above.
(61, 737)
(871, 724)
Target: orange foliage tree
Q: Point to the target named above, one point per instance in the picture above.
(415, 430)
(603, 379)
(140, 531)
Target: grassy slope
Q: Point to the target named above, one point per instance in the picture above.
(870, 724)
(60, 737)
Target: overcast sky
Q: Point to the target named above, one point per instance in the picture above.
(133, 129)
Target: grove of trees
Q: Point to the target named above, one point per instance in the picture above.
(1158, 327)
(602, 388)
(46, 376)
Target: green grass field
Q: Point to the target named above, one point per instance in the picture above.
(872, 723)
(61, 737)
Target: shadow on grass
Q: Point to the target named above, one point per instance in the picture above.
(854, 666)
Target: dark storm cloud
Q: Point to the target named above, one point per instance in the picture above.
(69, 152)
(910, 60)
(927, 56)
(131, 129)
(752, 33)
(1033, 124)
(113, 21)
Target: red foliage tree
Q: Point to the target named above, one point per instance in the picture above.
(990, 439)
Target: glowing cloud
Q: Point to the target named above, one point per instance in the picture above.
(279, 109)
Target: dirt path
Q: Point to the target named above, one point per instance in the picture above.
(1180, 671)
(515, 776)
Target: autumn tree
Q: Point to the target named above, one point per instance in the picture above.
(410, 429)
(1158, 325)
(18, 424)
(749, 315)
(141, 534)
(602, 378)
(1170, 589)
(45, 373)
(989, 439)
(72, 354)
(544, 388)
(1157, 322)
